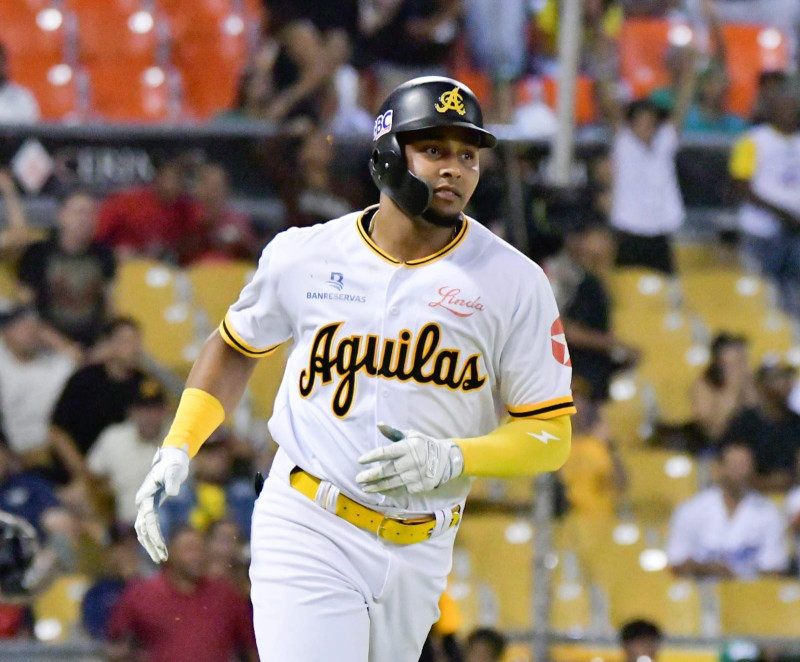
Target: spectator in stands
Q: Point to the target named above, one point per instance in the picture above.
(123, 453)
(770, 428)
(227, 555)
(441, 644)
(647, 208)
(641, 640)
(311, 196)
(593, 476)
(152, 221)
(602, 22)
(17, 104)
(342, 113)
(225, 234)
(24, 493)
(725, 388)
(16, 234)
(69, 274)
(97, 396)
(576, 276)
(120, 567)
(765, 164)
(211, 493)
(498, 39)
(485, 645)
(728, 530)
(407, 38)
(208, 619)
(32, 375)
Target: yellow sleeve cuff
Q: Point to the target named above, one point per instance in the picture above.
(523, 447)
(199, 414)
(742, 164)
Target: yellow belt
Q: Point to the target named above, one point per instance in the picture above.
(398, 531)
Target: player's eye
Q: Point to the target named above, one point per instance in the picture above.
(433, 150)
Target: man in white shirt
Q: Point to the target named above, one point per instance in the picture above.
(123, 453)
(31, 379)
(17, 104)
(765, 165)
(729, 530)
(646, 205)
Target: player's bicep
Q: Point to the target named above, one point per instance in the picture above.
(535, 367)
(257, 323)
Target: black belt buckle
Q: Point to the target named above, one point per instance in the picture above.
(258, 483)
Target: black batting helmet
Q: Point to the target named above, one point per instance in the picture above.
(422, 103)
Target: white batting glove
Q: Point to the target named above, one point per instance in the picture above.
(170, 468)
(415, 461)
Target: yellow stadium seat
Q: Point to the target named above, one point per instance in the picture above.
(626, 413)
(216, 285)
(570, 608)
(500, 560)
(57, 611)
(640, 290)
(658, 596)
(658, 480)
(583, 653)
(697, 256)
(266, 380)
(147, 290)
(766, 607)
(8, 283)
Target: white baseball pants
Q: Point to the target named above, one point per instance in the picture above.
(324, 590)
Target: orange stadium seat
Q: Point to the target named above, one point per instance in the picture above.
(108, 32)
(28, 32)
(585, 111)
(53, 83)
(751, 49)
(123, 92)
(643, 44)
(477, 81)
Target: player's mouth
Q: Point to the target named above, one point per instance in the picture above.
(446, 192)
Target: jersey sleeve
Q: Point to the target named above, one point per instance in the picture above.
(535, 368)
(742, 164)
(680, 541)
(257, 323)
(773, 555)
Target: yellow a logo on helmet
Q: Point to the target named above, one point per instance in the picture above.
(451, 100)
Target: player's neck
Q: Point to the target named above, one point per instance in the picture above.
(406, 238)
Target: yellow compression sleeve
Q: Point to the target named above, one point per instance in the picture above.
(199, 414)
(521, 448)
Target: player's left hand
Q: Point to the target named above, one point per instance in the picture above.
(415, 461)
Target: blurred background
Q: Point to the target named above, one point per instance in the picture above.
(649, 161)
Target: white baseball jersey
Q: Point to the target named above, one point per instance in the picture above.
(448, 345)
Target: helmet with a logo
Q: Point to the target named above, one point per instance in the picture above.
(422, 103)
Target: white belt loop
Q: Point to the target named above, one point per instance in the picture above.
(444, 518)
(327, 495)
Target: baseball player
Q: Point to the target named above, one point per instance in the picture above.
(416, 332)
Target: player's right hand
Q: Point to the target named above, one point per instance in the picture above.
(170, 468)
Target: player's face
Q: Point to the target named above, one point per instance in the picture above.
(448, 161)
(642, 648)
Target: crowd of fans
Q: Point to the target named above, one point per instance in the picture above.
(81, 415)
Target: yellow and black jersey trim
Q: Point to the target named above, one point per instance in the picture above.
(544, 410)
(233, 339)
(362, 225)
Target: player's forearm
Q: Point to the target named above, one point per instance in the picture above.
(215, 386)
(520, 448)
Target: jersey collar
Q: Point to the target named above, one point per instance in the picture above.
(361, 226)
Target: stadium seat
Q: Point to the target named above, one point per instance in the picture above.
(643, 45)
(211, 63)
(766, 607)
(125, 92)
(216, 285)
(585, 111)
(658, 596)
(111, 35)
(55, 85)
(487, 538)
(266, 380)
(57, 610)
(147, 290)
(749, 50)
(639, 289)
(571, 608)
(584, 653)
(658, 481)
(627, 413)
(697, 256)
(30, 31)
(477, 81)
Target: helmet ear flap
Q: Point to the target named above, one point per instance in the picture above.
(391, 175)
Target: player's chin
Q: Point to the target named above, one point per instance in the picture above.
(446, 207)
